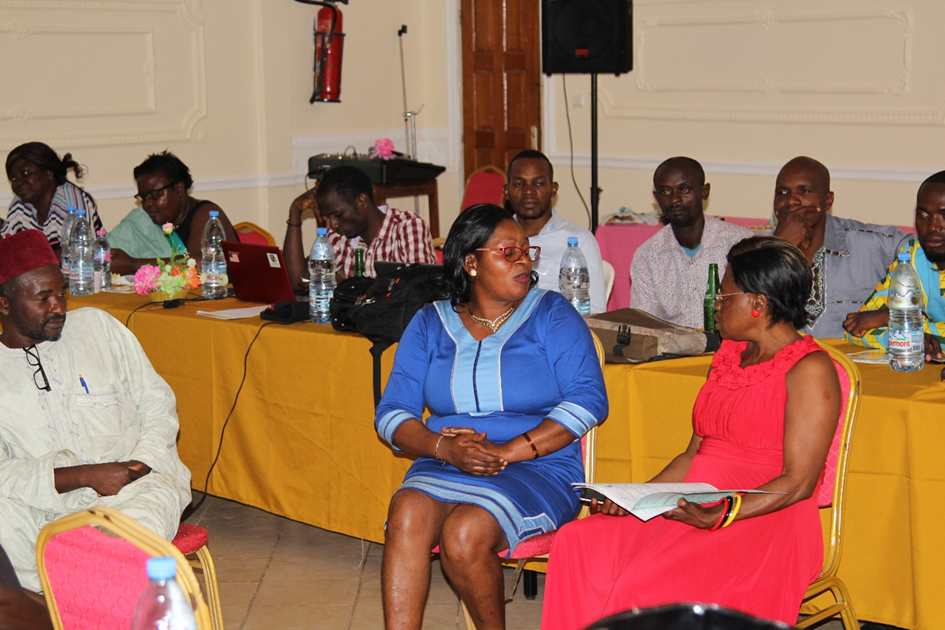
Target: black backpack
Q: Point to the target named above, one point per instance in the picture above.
(380, 308)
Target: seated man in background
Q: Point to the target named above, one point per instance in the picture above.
(847, 257)
(530, 191)
(19, 609)
(869, 326)
(84, 418)
(164, 184)
(670, 271)
(344, 200)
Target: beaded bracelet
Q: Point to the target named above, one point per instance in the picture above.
(530, 443)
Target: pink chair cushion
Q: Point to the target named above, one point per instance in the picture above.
(825, 496)
(96, 579)
(189, 538)
(483, 187)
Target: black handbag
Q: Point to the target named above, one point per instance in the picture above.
(380, 308)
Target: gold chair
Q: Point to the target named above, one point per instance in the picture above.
(828, 582)
(249, 232)
(92, 569)
(537, 548)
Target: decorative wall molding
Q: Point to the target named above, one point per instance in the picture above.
(732, 167)
(183, 95)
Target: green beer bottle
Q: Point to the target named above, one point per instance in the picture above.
(359, 263)
(711, 290)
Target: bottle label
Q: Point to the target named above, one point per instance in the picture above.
(902, 342)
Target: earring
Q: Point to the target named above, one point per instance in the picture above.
(755, 312)
(472, 272)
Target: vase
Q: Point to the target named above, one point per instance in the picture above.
(161, 296)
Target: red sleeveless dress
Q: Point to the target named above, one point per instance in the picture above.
(602, 565)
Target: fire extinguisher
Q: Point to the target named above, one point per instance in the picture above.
(329, 46)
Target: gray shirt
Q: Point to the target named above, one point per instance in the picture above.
(856, 257)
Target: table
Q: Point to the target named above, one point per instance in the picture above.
(301, 441)
(383, 192)
(618, 242)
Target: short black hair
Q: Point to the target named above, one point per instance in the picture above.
(469, 232)
(167, 163)
(937, 178)
(532, 154)
(348, 182)
(42, 155)
(681, 160)
(774, 268)
(9, 288)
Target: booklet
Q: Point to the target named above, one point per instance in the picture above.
(646, 500)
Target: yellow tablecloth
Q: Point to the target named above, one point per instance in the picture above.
(301, 440)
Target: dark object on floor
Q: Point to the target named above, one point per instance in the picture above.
(685, 617)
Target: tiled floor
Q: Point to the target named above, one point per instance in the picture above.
(277, 573)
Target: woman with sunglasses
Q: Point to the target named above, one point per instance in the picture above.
(512, 380)
(42, 193)
(164, 184)
(765, 419)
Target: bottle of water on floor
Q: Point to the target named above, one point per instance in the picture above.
(82, 257)
(905, 335)
(163, 605)
(213, 264)
(321, 278)
(573, 277)
(103, 262)
(65, 238)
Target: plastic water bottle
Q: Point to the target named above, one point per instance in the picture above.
(82, 258)
(213, 264)
(163, 605)
(321, 278)
(573, 277)
(905, 334)
(103, 262)
(65, 240)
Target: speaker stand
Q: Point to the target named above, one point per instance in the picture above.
(595, 191)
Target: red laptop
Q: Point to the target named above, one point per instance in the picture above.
(257, 272)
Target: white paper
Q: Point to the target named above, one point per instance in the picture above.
(235, 313)
(646, 500)
(874, 357)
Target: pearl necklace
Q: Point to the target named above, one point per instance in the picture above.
(494, 324)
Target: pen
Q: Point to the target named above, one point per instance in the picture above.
(82, 383)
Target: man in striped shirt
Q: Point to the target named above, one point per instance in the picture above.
(869, 326)
(344, 199)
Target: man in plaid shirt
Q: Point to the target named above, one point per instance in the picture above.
(344, 200)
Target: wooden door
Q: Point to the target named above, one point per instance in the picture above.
(501, 81)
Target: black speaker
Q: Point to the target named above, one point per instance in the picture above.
(587, 36)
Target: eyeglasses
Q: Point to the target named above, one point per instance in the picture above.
(720, 297)
(32, 357)
(153, 195)
(514, 254)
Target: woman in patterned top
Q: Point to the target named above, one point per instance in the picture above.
(42, 193)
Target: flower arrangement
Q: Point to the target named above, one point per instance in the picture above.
(178, 275)
(383, 149)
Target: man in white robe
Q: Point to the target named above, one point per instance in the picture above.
(84, 418)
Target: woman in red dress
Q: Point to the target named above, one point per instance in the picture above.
(765, 419)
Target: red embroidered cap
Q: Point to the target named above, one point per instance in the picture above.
(24, 251)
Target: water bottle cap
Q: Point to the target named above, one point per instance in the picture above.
(903, 256)
(70, 209)
(80, 212)
(322, 231)
(100, 233)
(162, 568)
(572, 240)
(214, 213)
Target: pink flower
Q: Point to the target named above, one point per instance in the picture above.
(384, 148)
(167, 228)
(146, 279)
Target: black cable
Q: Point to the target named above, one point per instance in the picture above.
(128, 321)
(206, 484)
(567, 112)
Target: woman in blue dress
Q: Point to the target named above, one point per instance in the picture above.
(512, 381)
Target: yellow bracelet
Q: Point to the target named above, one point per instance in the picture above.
(738, 504)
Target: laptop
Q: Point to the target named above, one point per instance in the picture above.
(258, 272)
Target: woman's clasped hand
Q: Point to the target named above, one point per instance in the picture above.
(471, 451)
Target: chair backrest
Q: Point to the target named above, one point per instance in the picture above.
(251, 233)
(92, 568)
(484, 186)
(609, 274)
(835, 470)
